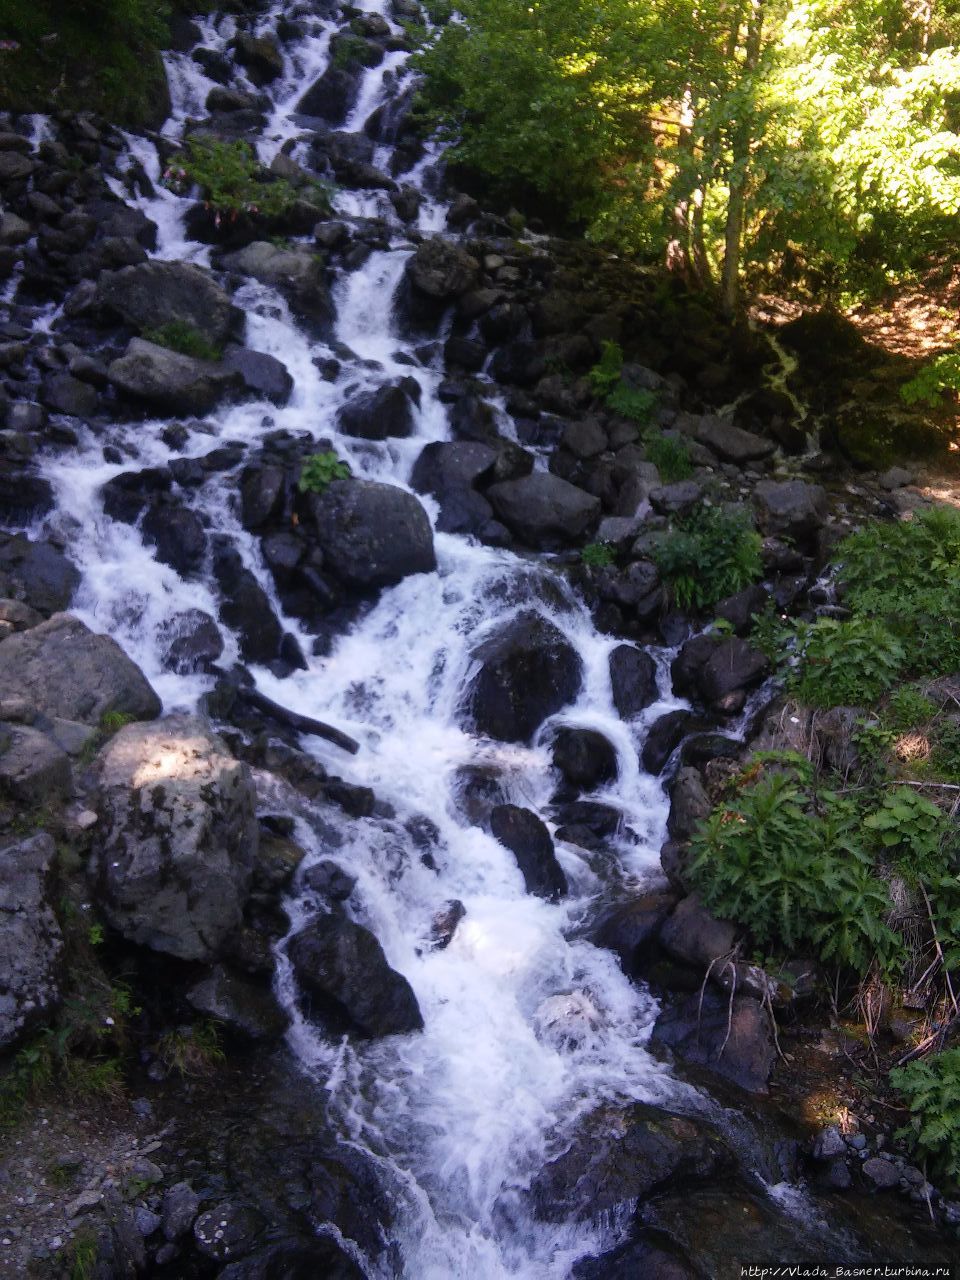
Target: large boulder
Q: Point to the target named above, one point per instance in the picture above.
(177, 837)
(730, 1036)
(545, 511)
(791, 509)
(441, 270)
(155, 294)
(633, 680)
(449, 467)
(696, 937)
(585, 758)
(528, 671)
(30, 939)
(167, 380)
(731, 442)
(346, 980)
(297, 272)
(528, 839)
(37, 573)
(371, 534)
(377, 415)
(332, 96)
(34, 769)
(67, 670)
(623, 1154)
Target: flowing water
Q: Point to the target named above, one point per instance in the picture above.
(461, 1116)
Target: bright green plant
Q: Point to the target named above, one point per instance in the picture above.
(182, 337)
(598, 555)
(850, 663)
(635, 403)
(907, 708)
(794, 871)
(930, 383)
(671, 456)
(912, 832)
(707, 555)
(606, 373)
(352, 50)
(321, 469)
(945, 750)
(233, 181)
(112, 721)
(931, 1087)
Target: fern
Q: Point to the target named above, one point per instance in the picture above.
(850, 663)
(931, 1087)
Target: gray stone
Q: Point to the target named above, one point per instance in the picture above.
(790, 508)
(689, 804)
(545, 511)
(633, 680)
(17, 616)
(828, 1144)
(65, 394)
(263, 375)
(181, 1204)
(177, 837)
(297, 272)
(227, 1231)
(168, 380)
(249, 1010)
(732, 442)
(33, 768)
(70, 672)
(13, 230)
(896, 478)
(155, 294)
(883, 1175)
(39, 574)
(676, 499)
(30, 939)
(441, 270)
(693, 935)
(371, 534)
(734, 1039)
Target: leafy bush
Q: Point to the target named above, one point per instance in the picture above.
(928, 385)
(850, 663)
(184, 338)
(606, 373)
(352, 50)
(931, 1087)
(907, 708)
(707, 555)
(598, 555)
(794, 871)
(635, 403)
(911, 831)
(670, 456)
(321, 469)
(233, 181)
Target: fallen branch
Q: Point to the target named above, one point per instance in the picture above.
(303, 724)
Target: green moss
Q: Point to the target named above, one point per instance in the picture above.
(233, 181)
(178, 336)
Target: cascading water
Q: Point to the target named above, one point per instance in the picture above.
(461, 1116)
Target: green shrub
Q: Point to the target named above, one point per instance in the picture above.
(851, 663)
(352, 50)
(670, 456)
(931, 1087)
(606, 373)
(635, 403)
(321, 469)
(598, 555)
(178, 336)
(945, 750)
(707, 555)
(906, 708)
(937, 376)
(912, 832)
(794, 871)
(233, 181)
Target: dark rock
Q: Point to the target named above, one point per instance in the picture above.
(528, 839)
(733, 1039)
(227, 1231)
(31, 944)
(377, 415)
(191, 642)
(739, 609)
(676, 499)
(156, 294)
(732, 668)
(63, 393)
(69, 672)
(262, 375)
(655, 1257)
(693, 935)
(37, 573)
(178, 535)
(333, 95)
(177, 836)
(345, 976)
(791, 509)
(441, 271)
(624, 1154)
(445, 467)
(371, 534)
(168, 380)
(329, 880)
(663, 738)
(882, 1175)
(689, 804)
(584, 757)
(444, 924)
(296, 1260)
(545, 511)
(528, 671)
(262, 491)
(633, 680)
(34, 770)
(259, 56)
(732, 442)
(296, 271)
(245, 606)
(250, 1011)
(633, 928)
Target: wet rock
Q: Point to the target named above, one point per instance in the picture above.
(528, 671)
(30, 939)
(262, 492)
(168, 380)
(732, 1038)
(62, 393)
(528, 839)
(191, 642)
(262, 375)
(177, 836)
(259, 56)
(739, 609)
(333, 95)
(623, 1154)
(330, 880)
(372, 535)
(689, 804)
(24, 496)
(378, 415)
(155, 294)
(68, 671)
(655, 1257)
(733, 667)
(633, 680)
(441, 270)
(297, 272)
(446, 468)
(632, 929)
(881, 1175)
(545, 511)
(245, 606)
(584, 757)
(663, 738)
(693, 935)
(227, 1231)
(250, 1011)
(34, 770)
(444, 924)
(37, 573)
(296, 1260)
(791, 509)
(346, 980)
(178, 534)
(567, 1021)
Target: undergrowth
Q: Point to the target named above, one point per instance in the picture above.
(320, 470)
(931, 1088)
(232, 181)
(177, 335)
(707, 555)
(609, 383)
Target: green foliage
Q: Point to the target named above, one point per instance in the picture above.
(931, 1087)
(707, 555)
(113, 721)
(321, 469)
(671, 457)
(81, 1256)
(851, 663)
(233, 181)
(906, 708)
(182, 337)
(193, 1050)
(771, 633)
(605, 375)
(353, 51)
(912, 832)
(793, 869)
(598, 555)
(635, 403)
(945, 751)
(937, 376)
